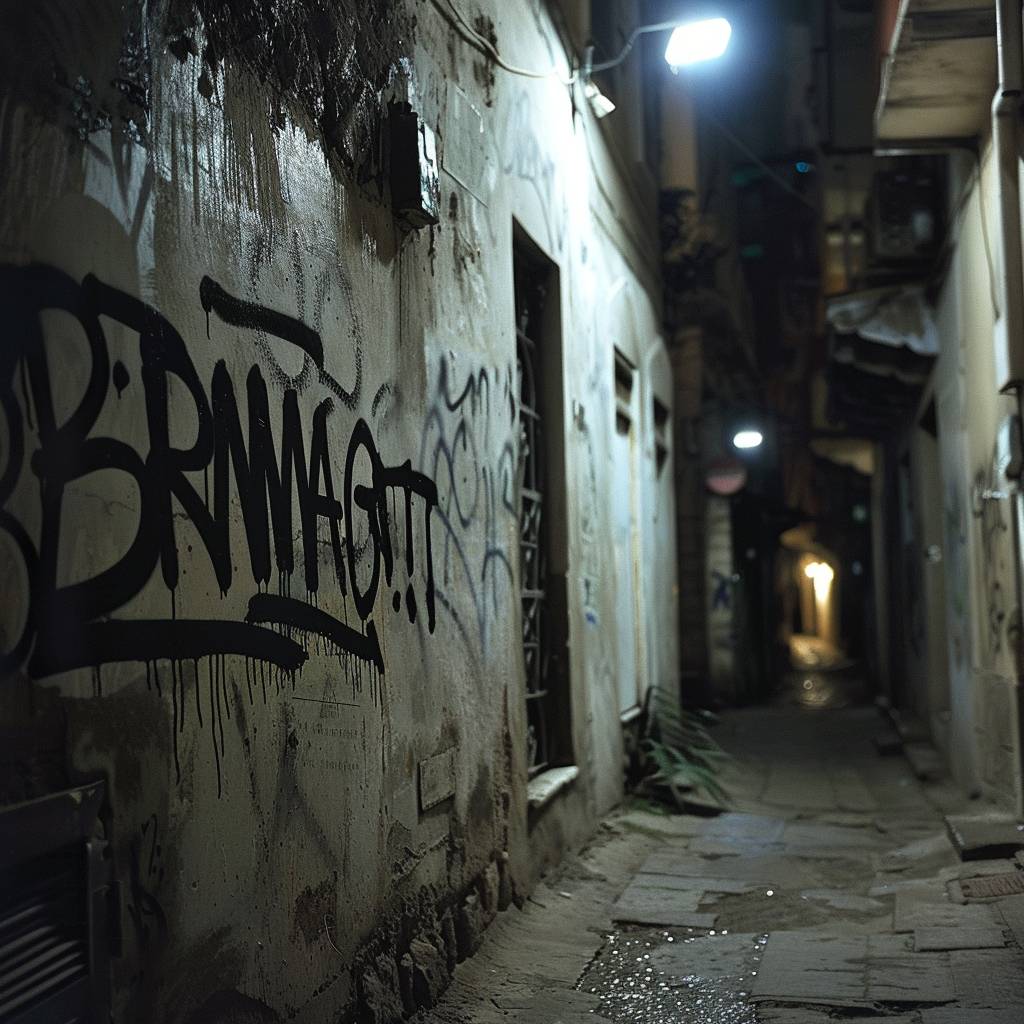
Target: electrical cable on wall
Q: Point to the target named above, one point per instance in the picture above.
(993, 290)
(956, 219)
(743, 147)
(457, 20)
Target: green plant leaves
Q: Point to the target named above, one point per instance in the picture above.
(677, 750)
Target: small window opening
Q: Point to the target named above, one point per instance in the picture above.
(661, 427)
(541, 495)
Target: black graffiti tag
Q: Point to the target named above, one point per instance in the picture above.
(275, 481)
(476, 488)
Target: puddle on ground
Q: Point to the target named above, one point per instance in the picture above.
(789, 910)
(678, 976)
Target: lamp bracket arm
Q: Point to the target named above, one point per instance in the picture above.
(660, 26)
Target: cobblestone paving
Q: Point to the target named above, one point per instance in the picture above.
(829, 891)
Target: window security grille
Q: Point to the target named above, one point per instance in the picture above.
(530, 296)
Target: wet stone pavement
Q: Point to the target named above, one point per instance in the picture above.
(652, 976)
(830, 891)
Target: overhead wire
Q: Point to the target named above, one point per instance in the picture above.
(956, 223)
(457, 20)
(992, 287)
(631, 42)
(743, 147)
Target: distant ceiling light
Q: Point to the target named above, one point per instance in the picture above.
(745, 439)
(726, 476)
(600, 104)
(822, 574)
(698, 41)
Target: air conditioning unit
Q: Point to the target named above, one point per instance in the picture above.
(905, 213)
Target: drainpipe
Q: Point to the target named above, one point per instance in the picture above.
(1006, 111)
(1006, 108)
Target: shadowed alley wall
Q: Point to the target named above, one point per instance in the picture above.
(260, 482)
(966, 690)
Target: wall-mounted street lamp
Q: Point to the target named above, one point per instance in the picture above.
(697, 41)
(747, 439)
(691, 42)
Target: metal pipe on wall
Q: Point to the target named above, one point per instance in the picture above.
(1006, 106)
(1006, 111)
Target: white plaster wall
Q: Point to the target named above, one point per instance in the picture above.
(267, 824)
(979, 559)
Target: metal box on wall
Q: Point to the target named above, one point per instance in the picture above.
(415, 184)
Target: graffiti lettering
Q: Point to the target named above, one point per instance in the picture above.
(147, 872)
(986, 506)
(721, 590)
(476, 479)
(523, 157)
(71, 624)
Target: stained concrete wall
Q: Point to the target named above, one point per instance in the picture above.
(929, 678)
(978, 723)
(720, 592)
(308, 706)
(980, 523)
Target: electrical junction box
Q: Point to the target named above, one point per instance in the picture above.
(415, 183)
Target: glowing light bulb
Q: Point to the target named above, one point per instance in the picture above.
(698, 41)
(823, 574)
(745, 439)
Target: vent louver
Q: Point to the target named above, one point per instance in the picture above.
(43, 931)
(53, 890)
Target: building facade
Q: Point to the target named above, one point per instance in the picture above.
(943, 210)
(338, 521)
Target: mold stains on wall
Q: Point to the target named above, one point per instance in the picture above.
(408, 961)
(468, 448)
(327, 61)
(955, 535)
(86, 68)
(232, 1007)
(465, 253)
(314, 908)
(993, 529)
(146, 874)
(33, 742)
(483, 68)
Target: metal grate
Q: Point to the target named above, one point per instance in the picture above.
(988, 886)
(44, 945)
(54, 881)
(532, 545)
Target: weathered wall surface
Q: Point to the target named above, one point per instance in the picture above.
(978, 542)
(259, 483)
(720, 591)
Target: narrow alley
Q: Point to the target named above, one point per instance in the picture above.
(831, 892)
(511, 511)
